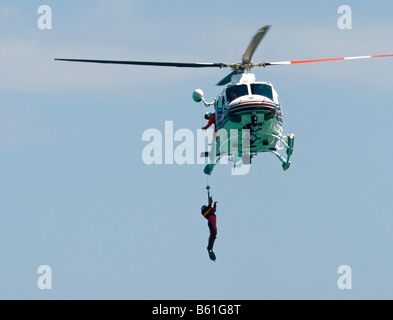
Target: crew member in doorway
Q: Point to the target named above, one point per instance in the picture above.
(211, 117)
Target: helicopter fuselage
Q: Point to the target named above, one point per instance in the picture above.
(254, 106)
(248, 120)
(244, 105)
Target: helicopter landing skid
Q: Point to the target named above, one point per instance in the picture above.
(209, 169)
(288, 145)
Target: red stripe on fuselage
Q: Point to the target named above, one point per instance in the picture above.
(254, 103)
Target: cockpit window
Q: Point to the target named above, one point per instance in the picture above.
(262, 90)
(236, 92)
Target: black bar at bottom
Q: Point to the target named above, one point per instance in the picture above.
(196, 309)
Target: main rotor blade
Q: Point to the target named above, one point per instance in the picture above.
(323, 60)
(152, 63)
(246, 59)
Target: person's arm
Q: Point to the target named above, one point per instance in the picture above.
(214, 207)
(212, 119)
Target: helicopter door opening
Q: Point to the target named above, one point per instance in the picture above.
(262, 90)
(236, 91)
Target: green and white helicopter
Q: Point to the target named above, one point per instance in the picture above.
(244, 105)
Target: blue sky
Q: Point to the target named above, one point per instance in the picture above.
(76, 195)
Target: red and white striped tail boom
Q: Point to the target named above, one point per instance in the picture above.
(323, 60)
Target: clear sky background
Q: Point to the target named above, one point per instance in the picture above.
(76, 195)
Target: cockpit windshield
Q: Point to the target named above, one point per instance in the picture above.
(262, 90)
(237, 91)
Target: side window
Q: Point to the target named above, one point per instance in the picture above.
(279, 110)
(219, 108)
(221, 103)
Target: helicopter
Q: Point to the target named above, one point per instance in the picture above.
(244, 105)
